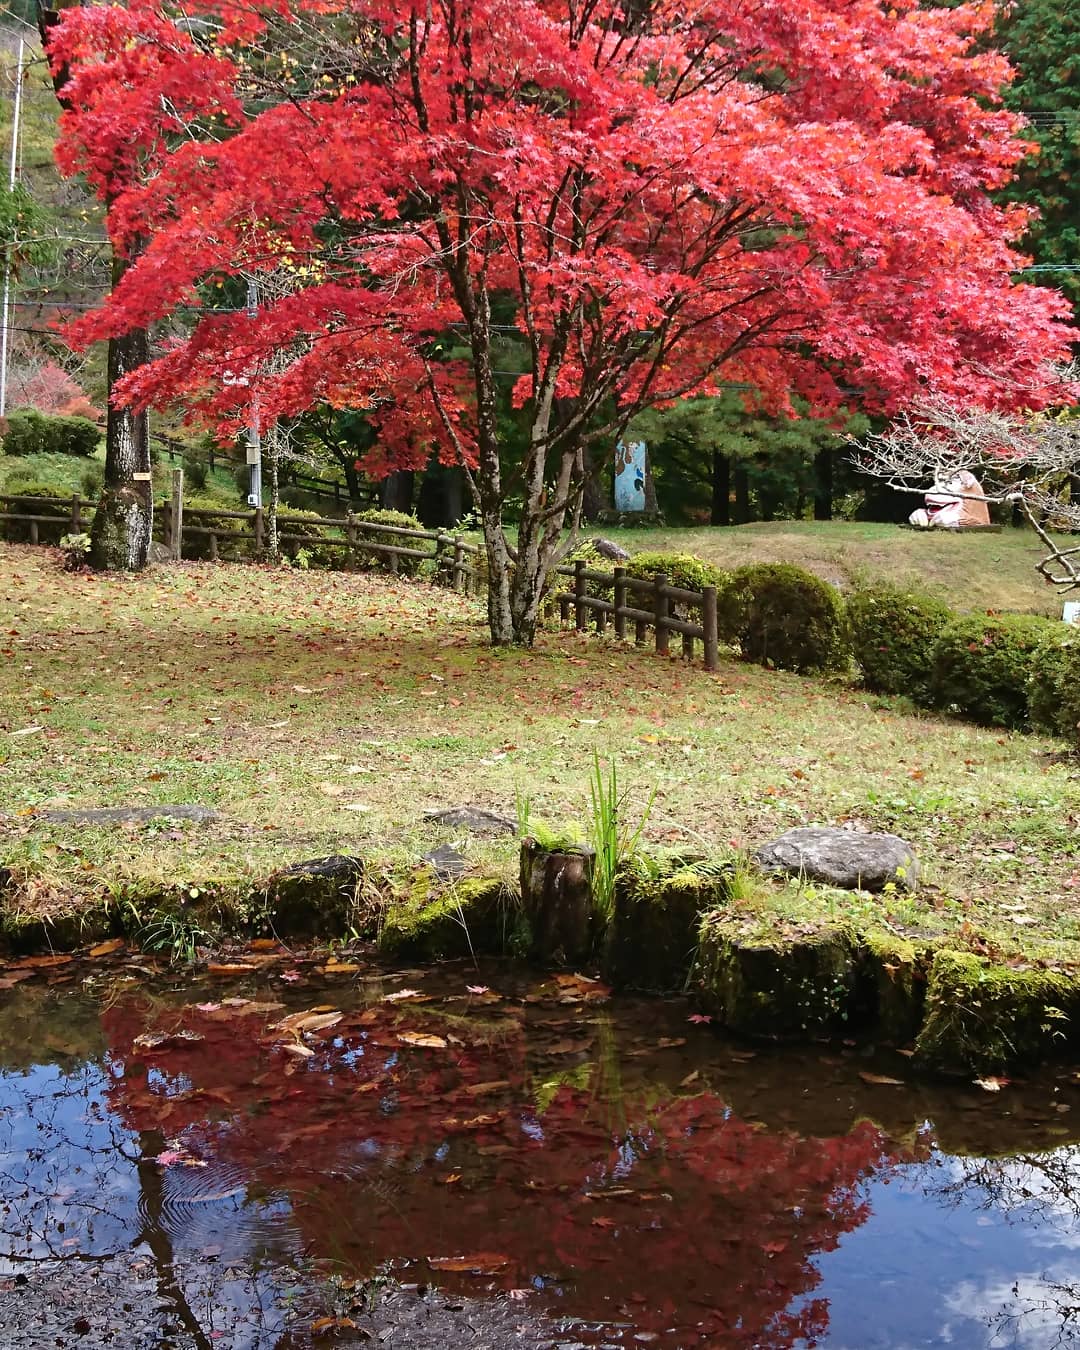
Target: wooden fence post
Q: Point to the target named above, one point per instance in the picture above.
(176, 523)
(620, 602)
(459, 565)
(660, 612)
(710, 627)
(581, 613)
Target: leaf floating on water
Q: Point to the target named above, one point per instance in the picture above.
(483, 1089)
(478, 989)
(882, 1079)
(480, 1263)
(690, 1078)
(42, 962)
(419, 1038)
(323, 1325)
(107, 948)
(699, 1019)
(603, 1222)
(992, 1084)
(229, 968)
(157, 1040)
(670, 1042)
(402, 994)
(298, 1051)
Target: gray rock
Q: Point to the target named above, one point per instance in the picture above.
(607, 548)
(850, 859)
(160, 553)
(446, 862)
(474, 818)
(113, 815)
(338, 867)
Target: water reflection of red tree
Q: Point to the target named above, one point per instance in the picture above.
(666, 1211)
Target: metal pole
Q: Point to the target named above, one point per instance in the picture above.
(254, 449)
(5, 312)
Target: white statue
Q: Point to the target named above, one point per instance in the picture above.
(955, 503)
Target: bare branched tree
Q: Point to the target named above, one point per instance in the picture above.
(1030, 461)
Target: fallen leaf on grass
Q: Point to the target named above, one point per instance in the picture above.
(419, 1038)
(882, 1079)
(107, 948)
(27, 731)
(480, 1263)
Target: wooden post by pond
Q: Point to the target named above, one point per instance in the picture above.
(660, 613)
(710, 627)
(556, 892)
(176, 521)
(581, 590)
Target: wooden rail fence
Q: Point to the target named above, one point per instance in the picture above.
(453, 557)
(658, 597)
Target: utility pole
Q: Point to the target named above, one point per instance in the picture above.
(9, 259)
(254, 446)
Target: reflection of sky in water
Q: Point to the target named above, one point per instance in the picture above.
(71, 1189)
(959, 1252)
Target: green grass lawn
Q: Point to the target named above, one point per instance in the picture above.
(970, 571)
(326, 712)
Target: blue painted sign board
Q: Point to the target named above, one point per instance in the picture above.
(630, 476)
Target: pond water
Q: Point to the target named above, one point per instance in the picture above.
(309, 1153)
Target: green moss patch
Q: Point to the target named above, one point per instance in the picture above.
(760, 983)
(981, 1016)
(892, 985)
(475, 916)
(653, 935)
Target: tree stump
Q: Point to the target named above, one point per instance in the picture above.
(556, 891)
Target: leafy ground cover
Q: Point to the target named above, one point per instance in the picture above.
(323, 713)
(991, 571)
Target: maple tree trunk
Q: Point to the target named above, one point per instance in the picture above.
(121, 532)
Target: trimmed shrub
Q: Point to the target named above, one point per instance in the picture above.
(55, 507)
(1054, 684)
(30, 432)
(983, 665)
(783, 616)
(893, 631)
(311, 547)
(682, 570)
(368, 558)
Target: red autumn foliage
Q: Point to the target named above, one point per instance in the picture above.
(607, 205)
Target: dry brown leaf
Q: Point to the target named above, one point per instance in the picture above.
(480, 1263)
(229, 968)
(41, 962)
(482, 1089)
(882, 1080)
(107, 948)
(422, 1040)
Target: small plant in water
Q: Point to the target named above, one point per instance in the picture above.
(613, 839)
(176, 934)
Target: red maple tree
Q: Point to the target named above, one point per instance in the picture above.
(580, 207)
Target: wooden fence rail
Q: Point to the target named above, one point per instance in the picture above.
(453, 557)
(655, 610)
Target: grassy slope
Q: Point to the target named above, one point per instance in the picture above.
(994, 571)
(285, 699)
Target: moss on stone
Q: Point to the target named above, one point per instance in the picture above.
(321, 897)
(985, 1017)
(23, 933)
(892, 981)
(653, 934)
(475, 916)
(768, 984)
